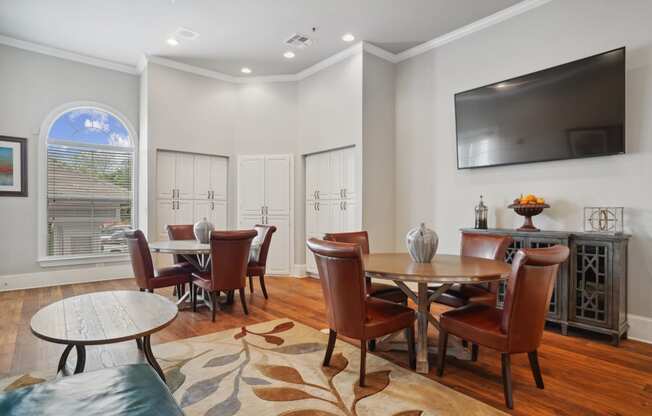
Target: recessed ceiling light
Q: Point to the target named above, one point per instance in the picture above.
(289, 54)
(172, 42)
(245, 70)
(348, 37)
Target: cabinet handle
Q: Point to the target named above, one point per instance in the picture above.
(341, 194)
(212, 206)
(344, 193)
(212, 194)
(344, 204)
(317, 195)
(317, 205)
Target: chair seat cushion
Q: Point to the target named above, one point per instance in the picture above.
(169, 276)
(385, 317)
(132, 390)
(255, 269)
(460, 295)
(476, 323)
(387, 292)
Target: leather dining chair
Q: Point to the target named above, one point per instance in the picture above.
(486, 246)
(147, 277)
(229, 258)
(258, 268)
(181, 232)
(349, 310)
(518, 327)
(378, 290)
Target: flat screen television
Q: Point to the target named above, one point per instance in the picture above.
(570, 111)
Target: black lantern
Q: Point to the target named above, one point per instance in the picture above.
(481, 212)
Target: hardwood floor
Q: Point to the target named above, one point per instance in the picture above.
(582, 376)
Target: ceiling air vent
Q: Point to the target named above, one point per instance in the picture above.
(298, 41)
(183, 33)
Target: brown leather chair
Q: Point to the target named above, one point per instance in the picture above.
(229, 258)
(258, 268)
(349, 310)
(486, 246)
(377, 290)
(181, 232)
(147, 277)
(518, 327)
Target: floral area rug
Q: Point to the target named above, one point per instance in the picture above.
(275, 369)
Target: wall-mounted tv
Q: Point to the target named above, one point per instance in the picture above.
(570, 111)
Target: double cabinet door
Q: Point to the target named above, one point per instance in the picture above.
(265, 197)
(331, 196)
(190, 187)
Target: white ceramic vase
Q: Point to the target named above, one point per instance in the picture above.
(422, 243)
(202, 230)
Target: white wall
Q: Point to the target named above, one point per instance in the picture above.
(32, 85)
(378, 192)
(330, 117)
(431, 189)
(193, 113)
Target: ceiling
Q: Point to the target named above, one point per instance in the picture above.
(234, 33)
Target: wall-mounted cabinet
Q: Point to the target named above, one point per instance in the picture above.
(190, 187)
(331, 196)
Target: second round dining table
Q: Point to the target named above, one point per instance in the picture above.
(444, 271)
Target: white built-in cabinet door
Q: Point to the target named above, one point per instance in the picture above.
(335, 174)
(348, 176)
(165, 215)
(278, 259)
(202, 175)
(247, 222)
(277, 185)
(218, 215)
(311, 179)
(165, 181)
(218, 177)
(184, 213)
(335, 217)
(251, 189)
(312, 222)
(185, 175)
(350, 215)
(202, 210)
(323, 175)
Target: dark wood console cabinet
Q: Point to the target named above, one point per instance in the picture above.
(591, 288)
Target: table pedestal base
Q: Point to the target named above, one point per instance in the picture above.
(144, 344)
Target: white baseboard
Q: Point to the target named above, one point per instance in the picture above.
(64, 277)
(640, 328)
(299, 270)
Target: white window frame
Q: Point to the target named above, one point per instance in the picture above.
(53, 261)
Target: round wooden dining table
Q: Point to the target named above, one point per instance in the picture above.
(443, 271)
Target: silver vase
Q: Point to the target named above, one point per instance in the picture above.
(422, 243)
(202, 230)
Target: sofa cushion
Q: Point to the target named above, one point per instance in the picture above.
(128, 390)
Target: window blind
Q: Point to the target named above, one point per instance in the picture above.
(89, 199)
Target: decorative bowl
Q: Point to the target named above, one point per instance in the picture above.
(528, 211)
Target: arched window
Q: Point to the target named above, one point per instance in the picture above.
(90, 183)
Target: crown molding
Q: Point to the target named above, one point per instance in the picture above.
(70, 56)
(360, 47)
(498, 17)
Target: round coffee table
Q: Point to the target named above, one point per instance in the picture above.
(104, 318)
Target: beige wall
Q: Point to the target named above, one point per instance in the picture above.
(431, 189)
(32, 85)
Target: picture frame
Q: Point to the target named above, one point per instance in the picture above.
(13, 166)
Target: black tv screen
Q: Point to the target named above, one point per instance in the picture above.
(570, 111)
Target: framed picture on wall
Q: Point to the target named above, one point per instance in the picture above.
(13, 166)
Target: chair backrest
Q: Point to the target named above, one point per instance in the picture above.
(487, 246)
(141, 257)
(341, 274)
(356, 237)
(527, 295)
(267, 231)
(180, 232)
(229, 258)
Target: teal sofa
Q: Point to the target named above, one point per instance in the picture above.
(132, 390)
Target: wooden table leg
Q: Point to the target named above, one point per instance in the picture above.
(422, 328)
(149, 355)
(81, 359)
